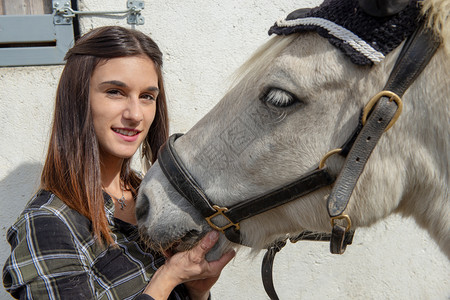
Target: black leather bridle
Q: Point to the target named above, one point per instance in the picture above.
(378, 115)
(186, 185)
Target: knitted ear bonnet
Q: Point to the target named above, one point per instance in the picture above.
(364, 38)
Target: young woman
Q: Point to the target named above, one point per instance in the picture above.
(76, 238)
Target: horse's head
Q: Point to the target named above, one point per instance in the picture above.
(296, 99)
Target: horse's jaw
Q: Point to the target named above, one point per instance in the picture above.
(167, 221)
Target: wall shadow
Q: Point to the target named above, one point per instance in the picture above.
(16, 189)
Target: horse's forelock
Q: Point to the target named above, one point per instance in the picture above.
(262, 58)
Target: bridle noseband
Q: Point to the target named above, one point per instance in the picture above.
(377, 117)
(186, 185)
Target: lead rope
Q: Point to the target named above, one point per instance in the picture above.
(269, 257)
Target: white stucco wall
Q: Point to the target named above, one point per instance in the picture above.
(204, 42)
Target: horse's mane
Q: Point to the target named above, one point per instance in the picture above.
(438, 18)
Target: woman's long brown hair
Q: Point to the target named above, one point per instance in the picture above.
(72, 166)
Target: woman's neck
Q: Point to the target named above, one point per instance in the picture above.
(112, 184)
(110, 175)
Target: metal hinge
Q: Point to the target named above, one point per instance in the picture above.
(63, 12)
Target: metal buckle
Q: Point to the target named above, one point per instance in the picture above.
(220, 211)
(392, 97)
(345, 217)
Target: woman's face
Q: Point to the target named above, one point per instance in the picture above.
(122, 94)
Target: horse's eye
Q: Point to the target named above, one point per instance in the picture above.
(278, 97)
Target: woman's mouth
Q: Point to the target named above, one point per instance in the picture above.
(128, 135)
(126, 132)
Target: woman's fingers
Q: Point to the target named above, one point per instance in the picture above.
(206, 243)
(191, 265)
(209, 240)
(202, 286)
(221, 262)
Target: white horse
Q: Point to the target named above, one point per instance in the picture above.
(297, 98)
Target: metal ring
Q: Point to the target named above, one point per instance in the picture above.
(325, 157)
(345, 217)
(392, 97)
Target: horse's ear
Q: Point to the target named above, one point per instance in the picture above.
(382, 8)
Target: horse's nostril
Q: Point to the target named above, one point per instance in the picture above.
(142, 209)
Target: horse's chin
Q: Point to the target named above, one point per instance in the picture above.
(215, 253)
(217, 250)
(186, 243)
(189, 242)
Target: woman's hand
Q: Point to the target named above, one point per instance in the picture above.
(191, 268)
(199, 288)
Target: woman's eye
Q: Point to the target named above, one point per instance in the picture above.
(278, 97)
(113, 92)
(148, 97)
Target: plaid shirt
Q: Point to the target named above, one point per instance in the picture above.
(55, 256)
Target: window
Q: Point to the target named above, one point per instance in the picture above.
(25, 7)
(31, 35)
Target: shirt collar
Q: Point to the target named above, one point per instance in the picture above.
(109, 208)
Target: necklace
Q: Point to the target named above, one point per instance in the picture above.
(120, 200)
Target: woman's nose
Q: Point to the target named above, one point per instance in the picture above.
(133, 111)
